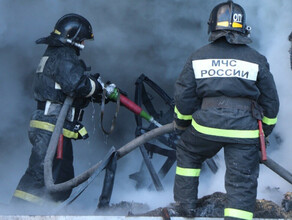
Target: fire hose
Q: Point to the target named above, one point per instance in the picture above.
(113, 93)
(268, 161)
(48, 162)
(124, 150)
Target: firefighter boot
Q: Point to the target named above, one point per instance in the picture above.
(186, 209)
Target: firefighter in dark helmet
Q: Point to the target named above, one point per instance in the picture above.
(223, 90)
(60, 73)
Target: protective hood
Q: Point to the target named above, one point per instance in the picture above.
(232, 37)
(50, 40)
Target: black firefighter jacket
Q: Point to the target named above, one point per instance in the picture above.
(61, 73)
(232, 70)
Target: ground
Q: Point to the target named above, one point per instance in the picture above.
(208, 206)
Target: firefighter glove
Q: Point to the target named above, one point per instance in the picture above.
(97, 95)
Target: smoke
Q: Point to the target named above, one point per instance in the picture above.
(275, 45)
(131, 37)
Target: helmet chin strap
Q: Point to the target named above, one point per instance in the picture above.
(80, 46)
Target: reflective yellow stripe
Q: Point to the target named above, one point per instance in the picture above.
(50, 127)
(57, 32)
(181, 116)
(70, 134)
(82, 131)
(225, 132)
(236, 25)
(269, 121)
(27, 196)
(237, 213)
(223, 23)
(226, 24)
(188, 172)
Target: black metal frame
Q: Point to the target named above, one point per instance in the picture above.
(169, 140)
(148, 149)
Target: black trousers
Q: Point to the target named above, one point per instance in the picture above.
(32, 182)
(242, 170)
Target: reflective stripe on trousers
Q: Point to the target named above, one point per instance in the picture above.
(28, 197)
(237, 213)
(187, 172)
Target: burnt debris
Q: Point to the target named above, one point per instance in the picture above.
(207, 206)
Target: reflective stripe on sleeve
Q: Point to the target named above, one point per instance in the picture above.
(92, 83)
(27, 196)
(237, 213)
(190, 172)
(269, 121)
(50, 127)
(181, 116)
(225, 132)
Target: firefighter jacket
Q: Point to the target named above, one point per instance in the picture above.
(61, 73)
(220, 69)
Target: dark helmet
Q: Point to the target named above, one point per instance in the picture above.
(228, 16)
(73, 29)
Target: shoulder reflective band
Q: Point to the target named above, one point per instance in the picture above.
(50, 127)
(42, 64)
(181, 116)
(27, 196)
(225, 132)
(269, 121)
(236, 213)
(190, 172)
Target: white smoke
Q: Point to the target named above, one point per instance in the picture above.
(131, 37)
(274, 22)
